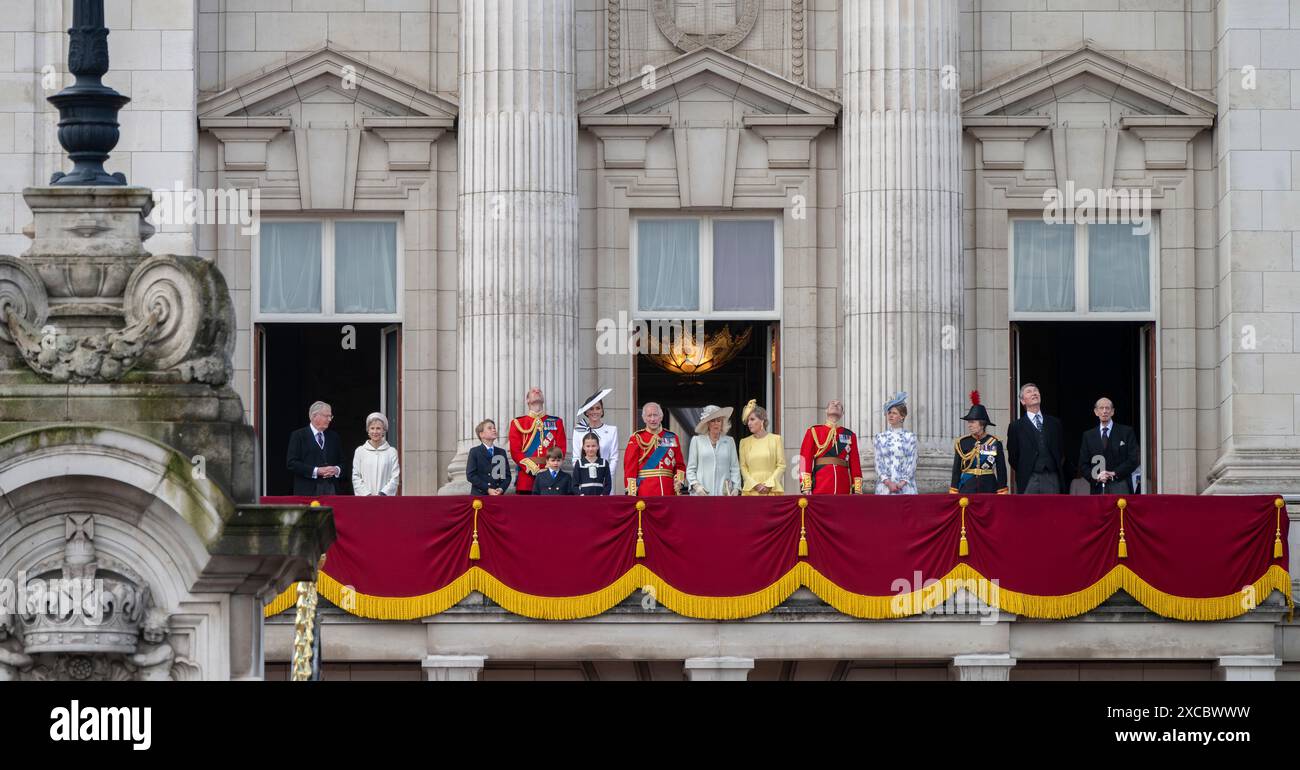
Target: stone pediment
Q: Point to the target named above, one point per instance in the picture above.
(325, 76)
(1087, 74)
(707, 74)
(326, 100)
(707, 98)
(1085, 99)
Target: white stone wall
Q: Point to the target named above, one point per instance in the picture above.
(1258, 277)
(151, 52)
(1172, 38)
(415, 39)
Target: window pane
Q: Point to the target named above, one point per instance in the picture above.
(1119, 269)
(365, 267)
(744, 264)
(289, 267)
(1044, 266)
(668, 264)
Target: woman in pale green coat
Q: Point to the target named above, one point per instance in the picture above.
(712, 465)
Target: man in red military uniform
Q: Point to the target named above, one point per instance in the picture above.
(531, 437)
(653, 463)
(829, 462)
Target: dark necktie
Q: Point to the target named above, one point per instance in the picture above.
(1105, 438)
(320, 440)
(1038, 421)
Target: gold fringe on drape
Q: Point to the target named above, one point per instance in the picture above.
(919, 600)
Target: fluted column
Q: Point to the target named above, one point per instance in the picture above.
(518, 177)
(902, 217)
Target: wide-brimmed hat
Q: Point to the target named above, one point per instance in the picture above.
(594, 399)
(710, 414)
(977, 410)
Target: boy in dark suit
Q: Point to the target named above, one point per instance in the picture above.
(488, 469)
(1115, 446)
(316, 454)
(553, 480)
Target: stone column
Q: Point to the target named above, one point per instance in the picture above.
(725, 669)
(901, 176)
(981, 668)
(1258, 277)
(518, 176)
(452, 668)
(1247, 668)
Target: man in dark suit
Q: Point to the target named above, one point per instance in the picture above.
(1108, 453)
(488, 469)
(316, 454)
(1035, 447)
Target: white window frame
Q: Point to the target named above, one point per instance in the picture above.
(326, 313)
(706, 310)
(1081, 311)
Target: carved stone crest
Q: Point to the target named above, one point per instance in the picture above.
(86, 616)
(692, 24)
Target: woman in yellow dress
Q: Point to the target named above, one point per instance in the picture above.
(762, 460)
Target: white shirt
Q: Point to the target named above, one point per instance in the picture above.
(374, 470)
(318, 436)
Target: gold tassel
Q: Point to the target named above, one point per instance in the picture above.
(803, 530)
(963, 549)
(1277, 537)
(1123, 544)
(640, 541)
(474, 551)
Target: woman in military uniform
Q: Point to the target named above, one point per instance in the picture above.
(979, 464)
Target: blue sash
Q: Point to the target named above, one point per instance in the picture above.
(659, 452)
(536, 441)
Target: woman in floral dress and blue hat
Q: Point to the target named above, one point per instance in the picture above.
(895, 451)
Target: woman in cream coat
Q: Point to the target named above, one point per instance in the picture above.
(713, 467)
(374, 464)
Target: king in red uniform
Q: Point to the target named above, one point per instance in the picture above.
(653, 463)
(531, 436)
(829, 457)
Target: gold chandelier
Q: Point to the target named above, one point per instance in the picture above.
(690, 358)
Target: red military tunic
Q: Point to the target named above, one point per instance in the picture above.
(829, 461)
(653, 463)
(531, 436)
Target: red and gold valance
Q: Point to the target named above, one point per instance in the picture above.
(558, 558)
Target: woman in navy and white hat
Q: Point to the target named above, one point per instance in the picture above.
(591, 419)
(895, 451)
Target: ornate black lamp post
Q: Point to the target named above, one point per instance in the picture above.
(88, 127)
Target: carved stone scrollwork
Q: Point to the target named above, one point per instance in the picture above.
(60, 357)
(22, 291)
(613, 40)
(188, 297)
(666, 17)
(798, 38)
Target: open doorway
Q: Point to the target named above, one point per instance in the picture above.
(1074, 363)
(354, 367)
(753, 372)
